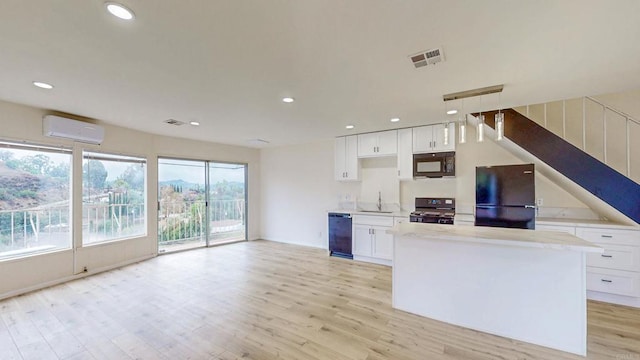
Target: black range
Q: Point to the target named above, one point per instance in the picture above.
(434, 211)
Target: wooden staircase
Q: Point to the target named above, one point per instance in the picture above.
(599, 179)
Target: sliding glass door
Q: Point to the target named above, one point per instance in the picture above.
(200, 203)
(227, 196)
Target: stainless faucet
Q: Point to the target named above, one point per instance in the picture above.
(379, 201)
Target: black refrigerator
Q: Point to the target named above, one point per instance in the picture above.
(505, 196)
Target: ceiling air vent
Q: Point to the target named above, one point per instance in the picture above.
(428, 57)
(174, 122)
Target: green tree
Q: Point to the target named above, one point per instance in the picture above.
(132, 177)
(94, 174)
(37, 165)
(60, 171)
(6, 155)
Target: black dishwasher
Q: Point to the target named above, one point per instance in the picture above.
(340, 235)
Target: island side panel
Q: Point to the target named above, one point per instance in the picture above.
(529, 294)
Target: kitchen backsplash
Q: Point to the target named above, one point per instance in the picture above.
(379, 176)
(566, 213)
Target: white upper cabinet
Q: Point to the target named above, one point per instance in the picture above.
(439, 137)
(405, 154)
(431, 138)
(346, 158)
(383, 143)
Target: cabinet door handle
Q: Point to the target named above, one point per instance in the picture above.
(398, 172)
(606, 236)
(606, 256)
(605, 280)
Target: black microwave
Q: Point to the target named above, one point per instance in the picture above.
(434, 165)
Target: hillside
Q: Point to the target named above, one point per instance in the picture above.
(21, 190)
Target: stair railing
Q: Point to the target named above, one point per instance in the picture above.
(629, 121)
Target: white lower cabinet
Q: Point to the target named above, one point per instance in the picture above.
(618, 282)
(614, 275)
(362, 244)
(382, 244)
(371, 242)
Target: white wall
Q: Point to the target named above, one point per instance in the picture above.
(298, 189)
(24, 123)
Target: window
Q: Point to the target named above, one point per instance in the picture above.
(35, 208)
(113, 197)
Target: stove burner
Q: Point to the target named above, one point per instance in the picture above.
(434, 210)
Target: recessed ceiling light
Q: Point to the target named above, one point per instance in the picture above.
(395, 119)
(452, 112)
(194, 123)
(349, 127)
(288, 99)
(43, 85)
(119, 11)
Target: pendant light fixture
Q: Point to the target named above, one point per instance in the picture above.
(445, 130)
(462, 120)
(499, 122)
(480, 124)
(499, 126)
(445, 133)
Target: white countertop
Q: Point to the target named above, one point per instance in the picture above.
(585, 223)
(462, 217)
(401, 213)
(495, 236)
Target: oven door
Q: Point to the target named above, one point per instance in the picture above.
(423, 219)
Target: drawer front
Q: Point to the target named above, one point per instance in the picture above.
(373, 220)
(622, 237)
(619, 257)
(400, 220)
(621, 283)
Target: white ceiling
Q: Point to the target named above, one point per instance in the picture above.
(228, 63)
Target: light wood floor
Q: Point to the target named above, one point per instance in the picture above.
(261, 300)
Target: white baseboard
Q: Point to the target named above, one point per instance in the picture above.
(614, 299)
(317, 246)
(373, 260)
(65, 279)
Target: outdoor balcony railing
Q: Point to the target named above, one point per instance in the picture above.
(185, 221)
(45, 228)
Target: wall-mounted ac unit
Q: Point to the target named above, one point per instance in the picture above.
(57, 126)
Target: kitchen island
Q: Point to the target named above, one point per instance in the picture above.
(521, 284)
